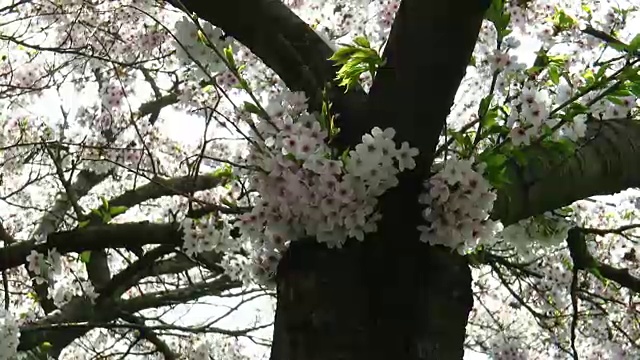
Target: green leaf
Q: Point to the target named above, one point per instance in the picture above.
(576, 109)
(228, 53)
(223, 172)
(291, 157)
(117, 210)
(462, 140)
(354, 62)
(490, 119)
(631, 74)
(342, 55)
(105, 202)
(362, 41)
(495, 160)
(601, 71)
(484, 105)
(562, 21)
(621, 93)
(202, 38)
(252, 108)
(345, 156)
(618, 46)
(519, 156)
(85, 256)
(106, 217)
(615, 100)
(635, 89)
(635, 43)
(82, 224)
(554, 74)
(499, 17)
(597, 274)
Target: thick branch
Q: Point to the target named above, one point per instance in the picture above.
(426, 58)
(604, 164)
(287, 45)
(179, 296)
(118, 235)
(167, 187)
(93, 238)
(154, 106)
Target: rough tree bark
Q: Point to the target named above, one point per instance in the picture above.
(390, 297)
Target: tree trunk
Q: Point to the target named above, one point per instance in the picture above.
(390, 297)
(386, 298)
(371, 300)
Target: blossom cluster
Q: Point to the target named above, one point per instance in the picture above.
(306, 188)
(49, 269)
(65, 289)
(113, 94)
(458, 200)
(205, 348)
(9, 335)
(388, 12)
(207, 234)
(44, 267)
(27, 76)
(546, 229)
(152, 40)
(193, 45)
(529, 111)
(505, 350)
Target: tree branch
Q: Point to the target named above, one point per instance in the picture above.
(167, 187)
(85, 181)
(93, 238)
(414, 90)
(287, 45)
(151, 336)
(81, 310)
(117, 235)
(602, 165)
(583, 260)
(154, 106)
(178, 296)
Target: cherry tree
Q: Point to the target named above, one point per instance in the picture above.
(398, 179)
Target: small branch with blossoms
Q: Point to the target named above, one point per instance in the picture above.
(159, 187)
(619, 230)
(151, 336)
(610, 40)
(583, 260)
(286, 44)
(77, 315)
(167, 327)
(537, 190)
(91, 238)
